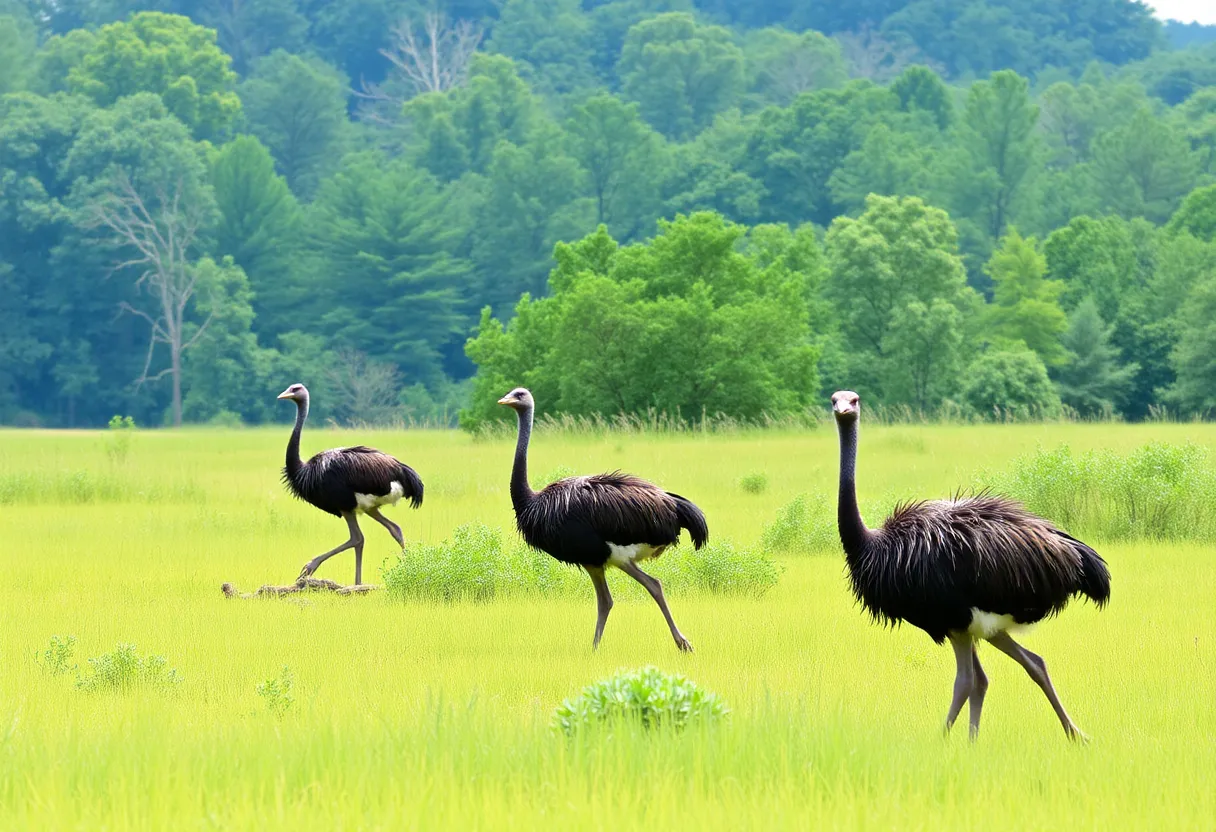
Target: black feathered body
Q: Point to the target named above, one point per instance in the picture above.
(590, 521)
(967, 563)
(351, 479)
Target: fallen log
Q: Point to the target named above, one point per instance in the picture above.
(302, 585)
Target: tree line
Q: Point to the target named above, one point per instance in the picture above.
(634, 205)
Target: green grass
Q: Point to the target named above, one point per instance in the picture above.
(422, 714)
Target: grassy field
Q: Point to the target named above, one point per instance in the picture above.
(412, 715)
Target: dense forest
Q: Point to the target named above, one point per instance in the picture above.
(1001, 207)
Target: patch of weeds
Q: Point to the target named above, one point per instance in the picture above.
(719, 568)
(57, 659)
(754, 483)
(805, 524)
(118, 441)
(276, 692)
(647, 696)
(1158, 491)
(124, 668)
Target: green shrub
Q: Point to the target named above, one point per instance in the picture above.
(1010, 385)
(1159, 491)
(804, 524)
(276, 692)
(57, 659)
(648, 697)
(124, 669)
(756, 483)
(118, 442)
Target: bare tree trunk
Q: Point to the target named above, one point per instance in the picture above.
(160, 234)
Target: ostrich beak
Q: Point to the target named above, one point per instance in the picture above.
(286, 394)
(507, 400)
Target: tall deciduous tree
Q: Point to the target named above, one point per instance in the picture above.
(680, 72)
(249, 29)
(998, 153)
(1143, 169)
(552, 38)
(296, 106)
(1026, 306)
(167, 55)
(890, 267)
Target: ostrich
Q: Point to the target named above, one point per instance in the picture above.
(347, 482)
(964, 569)
(600, 521)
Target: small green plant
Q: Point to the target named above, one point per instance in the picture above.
(804, 524)
(276, 692)
(124, 668)
(754, 483)
(57, 659)
(647, 696)
(118, 443)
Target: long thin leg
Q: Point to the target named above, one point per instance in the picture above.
(392, 527)
(961, 642)
(979, 687)
(603, 602)
(656, 592)
(1037, 670)
(355, 542)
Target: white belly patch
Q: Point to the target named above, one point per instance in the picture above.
(987, 624)
(364, 502)
(620, 555)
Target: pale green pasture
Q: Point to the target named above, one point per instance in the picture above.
(422, 716)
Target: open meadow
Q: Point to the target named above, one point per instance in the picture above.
(423, 714)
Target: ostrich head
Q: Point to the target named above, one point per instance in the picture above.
(518, 399)
(846, 405)
(296, 392)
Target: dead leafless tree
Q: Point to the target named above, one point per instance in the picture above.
(159, 233)
(433, 57)
(365, 391)
(870, 55)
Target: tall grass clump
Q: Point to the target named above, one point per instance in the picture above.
(806, 524)
(474, 565)
(118, 440)
(754, 483)
(124, 668)
(718, 568)
(647, 697)
(1159, 491)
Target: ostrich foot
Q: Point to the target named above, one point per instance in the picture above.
(308, 569)
(683, 643)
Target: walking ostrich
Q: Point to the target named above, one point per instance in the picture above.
(600, 521)
(964, 569)
(347, 482)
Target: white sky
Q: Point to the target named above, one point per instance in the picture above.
(1203, 11)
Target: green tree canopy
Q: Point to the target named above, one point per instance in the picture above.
(684, 324)
(1092, 381)
(167, 55)
(1010, 382)
(1026, 306)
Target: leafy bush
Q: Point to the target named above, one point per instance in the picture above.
(805, 524)
(1159, 491)
(1010, 384)
(756, 483)
(124, 669)
(57, 659)
(647, 696)
(276, 692)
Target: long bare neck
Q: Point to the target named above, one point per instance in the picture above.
(853, 531)
(293, 444)
(521, 492)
